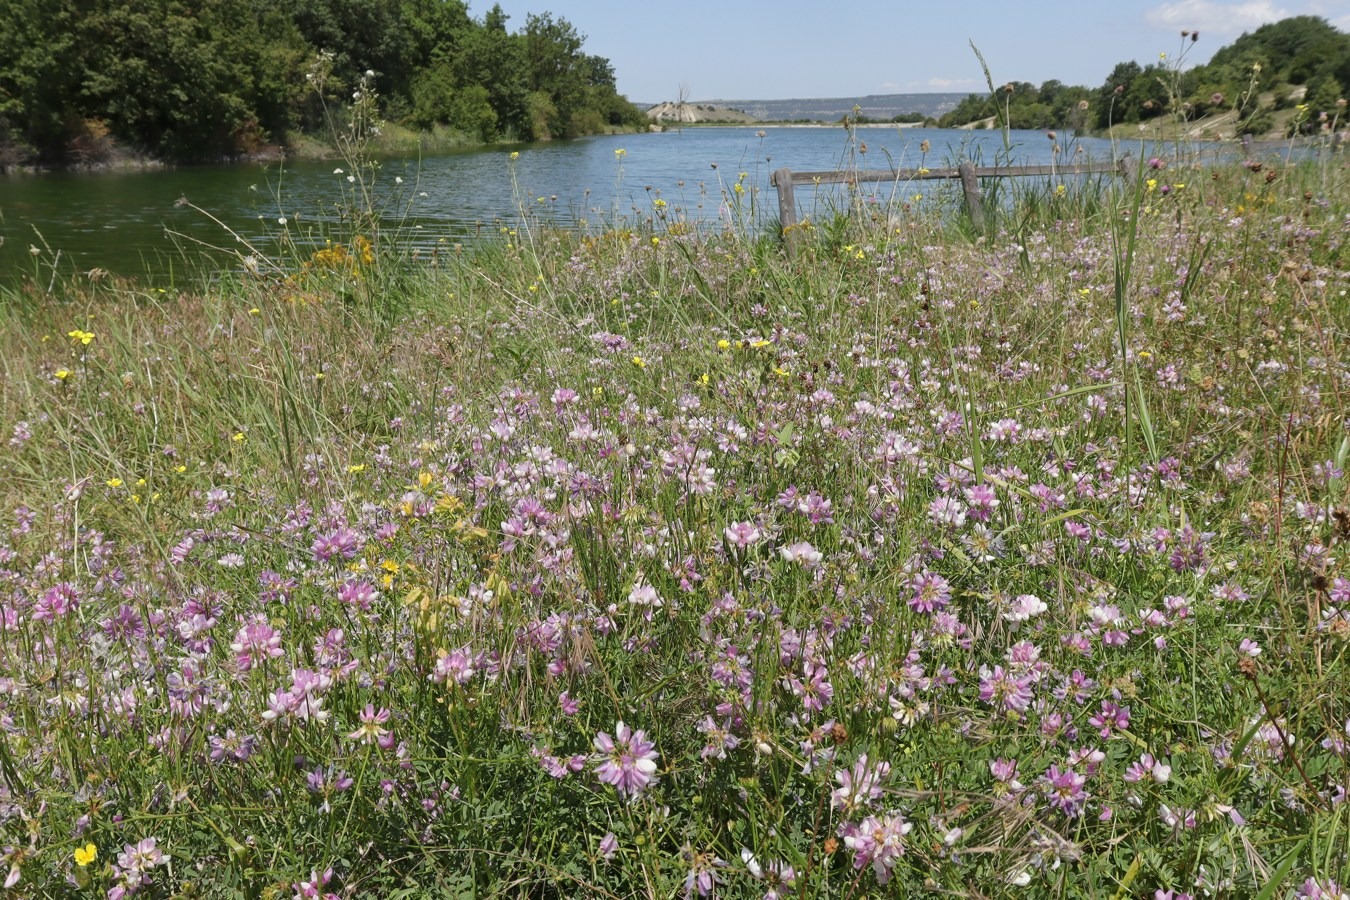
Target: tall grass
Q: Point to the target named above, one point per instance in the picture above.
(360, 575)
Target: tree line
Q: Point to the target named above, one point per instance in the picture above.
(1302, 60)
(195, 80)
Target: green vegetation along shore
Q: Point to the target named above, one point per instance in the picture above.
(653, 562)
(1288, 77)
(177, 80)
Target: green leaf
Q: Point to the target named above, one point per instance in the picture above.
(1277, 879)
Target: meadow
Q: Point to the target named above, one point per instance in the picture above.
(651, 562)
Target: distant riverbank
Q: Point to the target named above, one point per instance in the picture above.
(392, 140)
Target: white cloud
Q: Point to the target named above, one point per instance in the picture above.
(1215, 18)
(1337, 12)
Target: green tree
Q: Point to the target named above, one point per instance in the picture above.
(38, 76)
(1109, 107)
(491, 58)
(1293, 49)
(158, 73)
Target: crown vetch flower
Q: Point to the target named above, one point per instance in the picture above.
(627, 760)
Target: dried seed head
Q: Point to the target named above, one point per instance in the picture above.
(1341, 516)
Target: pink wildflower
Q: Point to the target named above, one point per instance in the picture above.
(627, 760)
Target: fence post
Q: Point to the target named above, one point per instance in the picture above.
(1128, 169)
(971, 186)
(787, 209)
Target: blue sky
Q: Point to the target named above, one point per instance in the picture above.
(743, 50)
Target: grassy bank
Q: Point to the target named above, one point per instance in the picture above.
(652, 562)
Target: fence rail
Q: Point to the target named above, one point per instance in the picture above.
(786, 180)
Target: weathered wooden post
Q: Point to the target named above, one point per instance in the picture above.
(970, 184)
(1128, 169)
(787, 209)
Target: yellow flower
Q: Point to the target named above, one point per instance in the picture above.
(238, 437)
(84, 337)
(515, 155)
(639, 362)
(620, 153)
(358, 467)
(1060, 190)
(758, 344)
(113, 482)
(62, 374)
(85, 855)
(255, 311)
(724, 344)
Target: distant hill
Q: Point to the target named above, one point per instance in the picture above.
(832, 109)
(692, 113)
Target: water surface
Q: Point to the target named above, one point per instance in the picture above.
(157, 222)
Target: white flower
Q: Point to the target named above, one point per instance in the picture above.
(801, 552)
(1026, 606)
(643, 594)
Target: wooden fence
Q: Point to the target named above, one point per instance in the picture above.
(786, 181)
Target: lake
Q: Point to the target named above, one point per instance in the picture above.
(144, 223)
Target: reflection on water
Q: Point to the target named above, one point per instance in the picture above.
(153, 222)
